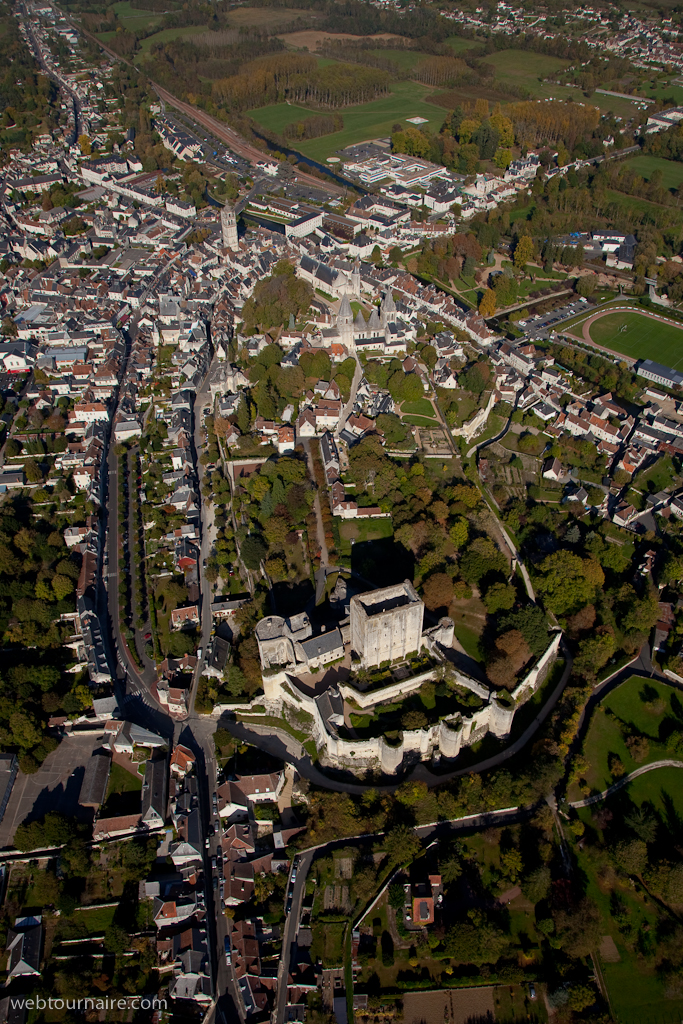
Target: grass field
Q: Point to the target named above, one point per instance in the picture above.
(523, 67)
(95, 920)
(636, 994)
(367, 121)
(132, 18)
(650, 707)
(672, 170)
(639, 337)
(405, 59)
(421, 421)
(458, 44)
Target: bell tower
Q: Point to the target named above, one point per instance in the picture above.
(229, 228)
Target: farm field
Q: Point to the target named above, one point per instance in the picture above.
(405, 59)
(270, 16)
(310, 38)
(639, 337)
(367, 121)
(166, 35)
(672, 170)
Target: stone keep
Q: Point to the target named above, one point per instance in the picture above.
(229, 228)
(386, 624)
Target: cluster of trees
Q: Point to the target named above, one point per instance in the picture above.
(299, 78)
(601, 372)
(314, 127)
(624, 179)
(528, 124)
(440, 71)
(276, 298)
(274, 386)
(29, 100)
(585, 581)
(448, 257)
(555, 205)
(403, 387)
(38, 578)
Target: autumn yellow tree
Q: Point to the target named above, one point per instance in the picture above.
(524, 251)
(487, 305)
(505, 129)
(85, 144)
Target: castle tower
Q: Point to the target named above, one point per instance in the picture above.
(229, 228)
(359, 325)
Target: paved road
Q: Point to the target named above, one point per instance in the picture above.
(207, 514)
(624, 781)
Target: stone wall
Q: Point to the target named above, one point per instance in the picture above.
(533, 680)
(446, 738)
(472, 427)
(370, 698)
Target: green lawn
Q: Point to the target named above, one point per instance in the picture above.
(360, 530)
(469, 639)
(422, 407)
(421, 421)
(366, 121)
(328, 939)
(650, 708)
(640, 337)
(97, 920)
(672, 170)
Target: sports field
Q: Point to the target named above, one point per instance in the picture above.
(367, 121)
(640, 337)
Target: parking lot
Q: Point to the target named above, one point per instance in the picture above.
(56, 786)
(543, 321)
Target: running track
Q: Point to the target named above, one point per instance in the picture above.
(586, 326)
